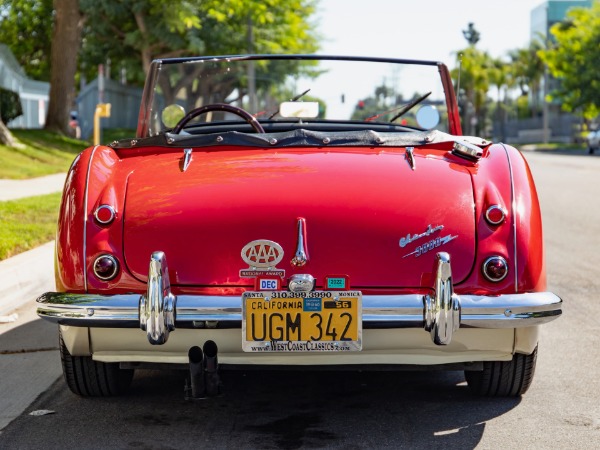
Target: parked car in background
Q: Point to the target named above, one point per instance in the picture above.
(593, 141)
(306, 211)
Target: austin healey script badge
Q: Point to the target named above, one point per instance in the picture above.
(426, 246)
(262, 257)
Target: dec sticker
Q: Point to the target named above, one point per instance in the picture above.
(268, 284)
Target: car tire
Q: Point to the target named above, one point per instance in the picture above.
(503, 378)
(88, 378)
(591, 150)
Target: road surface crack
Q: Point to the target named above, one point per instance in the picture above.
(28, 350)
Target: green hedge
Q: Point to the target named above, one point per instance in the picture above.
(10, 105)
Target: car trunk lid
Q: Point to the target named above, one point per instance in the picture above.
(368, 214)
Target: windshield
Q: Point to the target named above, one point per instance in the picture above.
(276, 90)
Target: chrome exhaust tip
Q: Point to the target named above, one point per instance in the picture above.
(211, 369)
(197, 387)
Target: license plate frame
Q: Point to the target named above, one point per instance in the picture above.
(340, 321)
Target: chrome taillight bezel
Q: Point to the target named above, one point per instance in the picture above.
(101, 208)
(486, 274)
(490, 210)
(114, 272)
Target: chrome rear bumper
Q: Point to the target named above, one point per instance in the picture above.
(160, 312)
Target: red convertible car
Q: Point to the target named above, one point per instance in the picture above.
(301, 211)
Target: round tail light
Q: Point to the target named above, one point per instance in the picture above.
(105, 214)
(495, 268)
(106, 267)
(495, 215)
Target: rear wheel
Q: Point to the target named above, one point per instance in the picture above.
(503, 378)
(90, 378)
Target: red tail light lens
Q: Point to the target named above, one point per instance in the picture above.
(105, 214)
(106, 267)
(495, 215)
(495, 268)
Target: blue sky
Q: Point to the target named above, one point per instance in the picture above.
(422, 29)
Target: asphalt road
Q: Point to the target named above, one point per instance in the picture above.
(359, 409)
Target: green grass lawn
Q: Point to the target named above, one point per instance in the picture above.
(27, 223)
(42, 153)
(45, 153)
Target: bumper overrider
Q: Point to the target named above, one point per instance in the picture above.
(159, 311)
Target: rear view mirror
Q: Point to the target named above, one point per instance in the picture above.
(172, 114)
(428, 117)
(299, 109)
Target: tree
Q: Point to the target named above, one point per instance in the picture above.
(527, 69)
(500, 77)
(23, 26)
(26, 27)
(134, 32)
(131, 33)
(471, 35)
(6, 137)
(572, 59)
(474, 84)
(66, 38)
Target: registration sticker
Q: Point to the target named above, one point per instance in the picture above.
(337, 283)
(312, 304)
(322, 321)
(267, 283)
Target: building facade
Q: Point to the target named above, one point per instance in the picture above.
(551, 12)
(33, 94)
(558, 125)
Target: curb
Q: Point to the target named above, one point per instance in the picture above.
(25, 277)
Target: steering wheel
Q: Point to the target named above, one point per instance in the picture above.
(219, 107)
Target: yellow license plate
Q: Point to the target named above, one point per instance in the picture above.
(319, 321)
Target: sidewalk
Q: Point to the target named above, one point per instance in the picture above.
(15, 189)
(23, 278)
(26, 276)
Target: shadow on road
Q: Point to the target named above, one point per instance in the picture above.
(268, 409)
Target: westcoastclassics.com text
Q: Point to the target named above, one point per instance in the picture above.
(302, 346)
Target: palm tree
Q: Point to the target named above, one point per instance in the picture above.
(528, 71)
(475, 83)
(500, 77)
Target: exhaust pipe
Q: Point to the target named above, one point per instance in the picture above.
(198, 387)
(211, 369)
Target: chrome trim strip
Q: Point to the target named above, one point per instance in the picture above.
(85, 214)
(478, 311)
(513, 213)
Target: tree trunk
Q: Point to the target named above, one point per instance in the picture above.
(6, 138)
(66, 40)
(145, 51)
